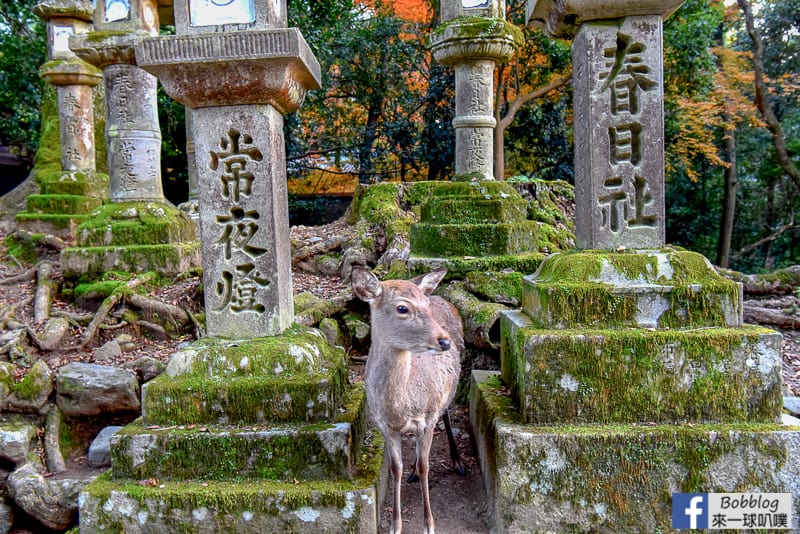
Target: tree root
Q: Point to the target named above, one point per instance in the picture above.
(109, 303)
(45, 287)
(321, 309)
(52, 448)
(54, 242)
(179, 317)
(25, 276)
(320, 247)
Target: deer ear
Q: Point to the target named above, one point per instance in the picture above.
(429, 282)
(366, 285)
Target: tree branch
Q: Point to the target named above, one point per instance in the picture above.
(774, 126)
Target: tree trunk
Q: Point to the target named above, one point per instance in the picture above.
(365, 168)
(728, 194)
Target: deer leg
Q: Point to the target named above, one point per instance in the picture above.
(455, 457)
(423, 456)
(395, 455)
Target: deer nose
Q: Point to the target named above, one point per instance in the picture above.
(444, 343)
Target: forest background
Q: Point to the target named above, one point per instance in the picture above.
(732, 107)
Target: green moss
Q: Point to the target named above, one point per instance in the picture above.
(478, 28)
(23, 249)
(634, 375)
(34, 385)
(627, 471)
(502, 286)
(136, 223)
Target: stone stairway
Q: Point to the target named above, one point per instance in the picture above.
(627, 377)
(262, 435)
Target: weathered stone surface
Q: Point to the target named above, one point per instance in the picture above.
(654, 289)
(619, 134)
(32, 392)
(84, 389)
(107, 351)
(51, 501)
(167, 259)
(616, 478)
(146, 368)
(8, 373)
(54, 331)
(6, 517)
(296, 376)
(16, 436)
(639, 376)
(244, 219)
(563, 18)
(326, 451)
(792, 404)
(99, 454)
(264, 506)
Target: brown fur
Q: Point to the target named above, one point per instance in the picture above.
(411, 372)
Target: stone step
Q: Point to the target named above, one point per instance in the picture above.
(282, 452)
(455, 210)
(136, 223)
(637, 375)
(490, 239)
(59, 225)
(294, 377)
(62, 204)
(89, 184)
(167, 259)
(241, 506)
(617, 477)
(649, 289)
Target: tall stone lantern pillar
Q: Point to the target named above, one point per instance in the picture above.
(139, 230)
(73, 78)
(629, 331)
(239, 68)
(473, 37)
(133, 135)
(68, 195)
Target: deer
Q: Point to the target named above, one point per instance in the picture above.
(411, 373)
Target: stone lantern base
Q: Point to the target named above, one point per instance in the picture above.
(133, 237)
(65, 201)
(479, 226)
(256, 435)
(627, 377)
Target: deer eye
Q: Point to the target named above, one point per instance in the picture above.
(402, 309)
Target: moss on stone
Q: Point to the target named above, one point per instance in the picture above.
(478, 28)
(62, 204)
(635, 375)
(136, 223)
(497, 286)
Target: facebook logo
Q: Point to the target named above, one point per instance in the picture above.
(690, 510)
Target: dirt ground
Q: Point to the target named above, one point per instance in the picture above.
(458, 502)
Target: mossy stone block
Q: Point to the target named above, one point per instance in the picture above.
(455, 210)
(136, 223)
(90, 184)
(650, 289)
(62, 204)
(284, 452)
(59, 225)
(639, 376)
(301, 506)
(616, 478)
(459, 266)
(91, 263)
(296, 377)
(442, 240)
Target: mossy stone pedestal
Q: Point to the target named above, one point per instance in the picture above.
(472, 226)
(133, 237)
(259, 435)
(65, 201)
(627, 377)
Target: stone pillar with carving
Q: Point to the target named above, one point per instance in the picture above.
(473, 37)
(133, 135)
(630, 331)
(238, 85)
(67, 196)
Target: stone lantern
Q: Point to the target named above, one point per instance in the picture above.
(239, 68)
(474, 37)
(69, 194)
(139, 230)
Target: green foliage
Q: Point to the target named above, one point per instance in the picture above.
(22, 51)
